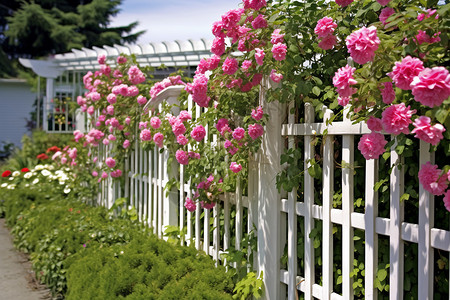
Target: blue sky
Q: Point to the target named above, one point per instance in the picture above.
(169, 20)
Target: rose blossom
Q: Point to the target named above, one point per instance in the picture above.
(236, 168)
(246, 64)
(385, 14)
(396, 118)
(190, 205)
(158, 138)
(218, 46)
(343, 101)
(101, 59)
(182, 140)
(404, 72)
(259, 56)
(342, 80)
(383, 2)
(431, 179)
(388, 93)
(426, 132)
(207, 205)
(362, 44)
(258, 113)
(155, 122)
(277, 37)
(374, 124)
(259, 22)
(327, 42)
(276, 77)
(110, 162)
(178, 128)
(126, 144)
(325, 27)
(182, 157)
(343, 3)
(221, 123)
(184, 116)
(279, 51)
(372, 145)
(432, 86)
(146, 135)
(141, 100)
(230, 66)
(198, 133)
(255, 131)
(447, 200)
(239, 133)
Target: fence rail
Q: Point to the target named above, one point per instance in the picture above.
(276, 218)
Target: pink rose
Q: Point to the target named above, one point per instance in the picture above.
(207, 205)
(259, 56)
(396, 118)
(343, 3)
(277, 37)
(258, 113)
(146, 135)
(231, 18)
(126, 144)
(385, 14)
(432, 86)
(121, 60)
(447, 200)
(190, 205)
(255, 131)
(236, 168)
(254, 4)
(141, 100)
(230, 66)
(246, 65)
(101, 59)
(431, 179)
(388, 93)
(184, 116)
(404, 72)
(110, 162)
(116, 173)
(221, 123)
(182, 140)
(182, 157)
(343, 101)
(198, 89)
(426, 132)
(374, 124)
(239, 133)
(218, 46)
(327, 42)
(362, 44)
(213, 62)
(94, 173)
(383, 2)
(91, 110)
(158, 138)
(342, 80)
(279, 51)
(325, 27)
(276, 77)
(217, 29)
(259, 22)
(198, 133)
(104, 175)
(178, 128)
(372, 145)
(155, 122)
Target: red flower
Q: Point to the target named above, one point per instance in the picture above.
(7, 173)
(24, 170)
(42, 156)
(53, 149)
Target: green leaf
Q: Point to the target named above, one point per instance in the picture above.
(381, 274)
(316, 90)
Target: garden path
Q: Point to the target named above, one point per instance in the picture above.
(16, 278)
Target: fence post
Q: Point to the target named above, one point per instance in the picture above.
(269, 199)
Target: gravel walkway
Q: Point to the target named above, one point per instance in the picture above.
(16, 278)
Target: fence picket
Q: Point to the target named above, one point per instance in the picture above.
(395, 228)
(308, 202)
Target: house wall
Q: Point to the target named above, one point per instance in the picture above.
(16, 103)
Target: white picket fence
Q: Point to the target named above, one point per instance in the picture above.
(276, 215)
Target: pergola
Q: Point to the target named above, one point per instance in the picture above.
(64, 72)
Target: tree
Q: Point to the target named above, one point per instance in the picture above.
(41, 27)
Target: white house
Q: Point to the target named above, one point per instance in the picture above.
(16, 103)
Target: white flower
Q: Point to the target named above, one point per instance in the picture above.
(35, 181)
(46, 173)
(11, 178)
(28, 175)
(11, 187)
(121, 252)
(15, 173)
(39, 167)
(4, 185)
(66, 190)
(27, 185)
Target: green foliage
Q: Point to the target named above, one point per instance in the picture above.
(249, 286)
